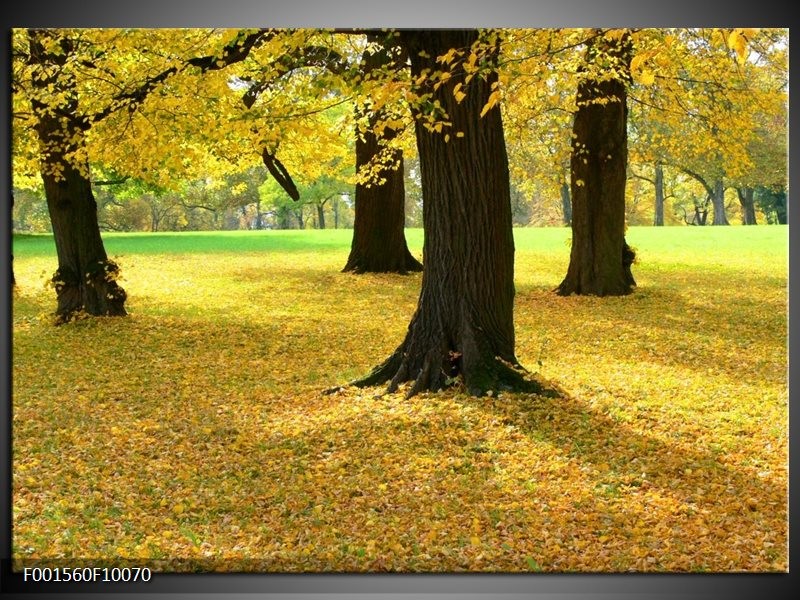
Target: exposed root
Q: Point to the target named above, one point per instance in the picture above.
(493, 377)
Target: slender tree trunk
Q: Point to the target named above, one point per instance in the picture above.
(321, 215)
(379, 242)
(566, 204)
(700, 215)
(658, 219)
(336, 213)
(718, 201)
(747, 200)
(463, 325)
(259, 215)
(301, 224)
(86, 278)
(600, 259)
(154, 218)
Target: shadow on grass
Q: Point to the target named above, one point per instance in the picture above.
(713, 327)
(709, 496)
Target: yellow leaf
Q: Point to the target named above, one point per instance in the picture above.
(636, 61)
(459, 95)
(476, 541)
(738, 43)
(494, 98)
(447, 58)
(647, 77)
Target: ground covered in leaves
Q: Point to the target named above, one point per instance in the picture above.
(193, 434)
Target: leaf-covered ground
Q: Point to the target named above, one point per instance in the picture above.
(193, 433)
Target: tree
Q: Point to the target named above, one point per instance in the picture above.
(86, 278)
(379, 242)
(600, 259)
(708, 101)
(463, 324)
(66, 67)
(772, 202)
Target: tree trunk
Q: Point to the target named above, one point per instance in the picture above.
(336, 213)
(658, 218)
(259, 215)
(566, 204)
(600, 259)
(321, 215)
(86, 278)
(718, 201)
(379, 242)
(747, 200)
(463, 325)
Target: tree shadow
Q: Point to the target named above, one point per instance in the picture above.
(668, 326)
(701, 502)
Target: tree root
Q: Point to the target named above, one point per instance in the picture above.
(492, 378)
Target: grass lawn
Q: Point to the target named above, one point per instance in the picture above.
(193, 434)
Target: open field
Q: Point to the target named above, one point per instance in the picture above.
(193, 434)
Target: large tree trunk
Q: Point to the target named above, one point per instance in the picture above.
(747, 200)
(600, 259)
(718, 201)
(658, 218)
(463, 325)
(86, 278)
(379, 241)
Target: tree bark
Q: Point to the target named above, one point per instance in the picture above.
(566, 204)
(747, 200)
(86, 278)
(379, 243)
(321, 216)
(718, 202)
(259, 215)
(463, 326)
(658, 218)
(600, 258)
(336, 213)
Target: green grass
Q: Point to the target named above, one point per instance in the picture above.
(194, 432)
(666, 244)
(199, 242)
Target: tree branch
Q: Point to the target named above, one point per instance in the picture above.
(637, 176)
(232, 53)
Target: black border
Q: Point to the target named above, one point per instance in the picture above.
(378, 13)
